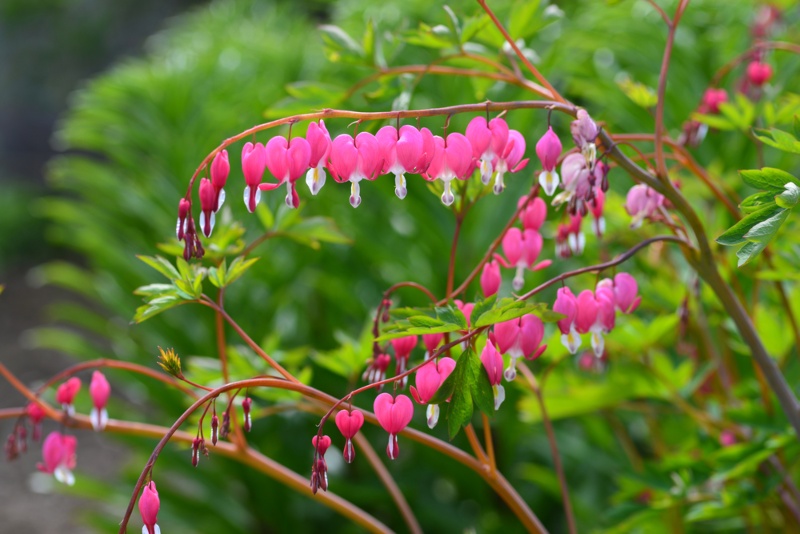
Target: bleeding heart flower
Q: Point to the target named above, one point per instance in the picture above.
(220, 168)
(393, 414)
(66, 392)
(429, 379)
(548, 149)
(349, 423)
(287, 161)
(254, 161)
(100, 391)
(353, 160)
(59, 454)
(452, 159)
(320, 142)
(493, 363)
(149, 505)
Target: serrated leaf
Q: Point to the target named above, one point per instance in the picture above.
(183, 268)
(451, 315)
(768, 178)
(186, 290)
(161, 265)
(423, 321)
(506, 309)
(778, 139)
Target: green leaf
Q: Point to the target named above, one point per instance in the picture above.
(715, 121)
(450, 314)
(423, 321)
(510, 308)
(788, 199)
(736, 234)
(460, 408)
(778, 139)
(339, 46)
(156, 306)
(161, 265)
(481, 307)
(265, 215)
(768, 178)
(154, 290)
(238, 267)
(429, 37)
(455, 26)
(523, 21)
(757, 201)
(482, 391)
(796, 126)
(641, 95)
(473, 26)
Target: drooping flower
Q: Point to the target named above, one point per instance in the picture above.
(493, 363)
(220, 168)
(214, 429)
(625, 292)
(534, 214)
(488, 142)
(402, 350)
(584, 132)
(36, 415)
(100, 391)
(509, 160)
(577, 183)
(606, 316)
(247, 406)
(254, 161)
(403, 151)
(60, 458)
(149, 505)
(548, 149)
(320, 142)
(431, 341)
(393, 414)
(642, 202)
(287, 161)
(490, 278)
(376, 371)
(66, 392)
(759, 73)
(712, 98)
(517, 338)
(429, 378)
(349, 422)
(208, 201)
(567, 304)
(352, 160)
(319, 470)
(596, 209)
(569, 238)
(452, 159)
(522, 249)
(183, 212)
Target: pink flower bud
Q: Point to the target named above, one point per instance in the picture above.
(208, 202)
(183, 212)
(247, 404)
(35, 414)
(625, 291)
(66, 392)
(586, 312)
(493, 363)
(254, 161)
(759, 73)
(533, 216)
(220, 168)
(712, 98)
(100, 391)
(490, 278)
(393, 414)
(548, 149)
(148, 508)
(214, 429)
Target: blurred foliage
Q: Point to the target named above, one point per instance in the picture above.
(638, 434)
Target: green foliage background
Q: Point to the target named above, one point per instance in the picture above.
(136, 133)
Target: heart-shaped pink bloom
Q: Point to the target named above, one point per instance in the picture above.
(393, 413)
(319, 140)
(493, 363)
(509, 159)
(430, 377)
(759, 73)
(220, 168)
(404, 345)
(287, 161)
(321, 444)
(606, 314)
(490, 278)
(566, 304)
(349, 422)
(354, 160)
(59, 455)
(712, 98)
(520, 337)
(534, 214)
(479, 135)
(254, 161)
(452, 159)
(66, 392)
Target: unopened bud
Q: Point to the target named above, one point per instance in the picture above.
(247, 404)
(214, 429)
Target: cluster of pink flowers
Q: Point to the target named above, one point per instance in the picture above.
(594, 311)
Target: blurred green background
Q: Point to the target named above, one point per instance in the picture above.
(131, 137)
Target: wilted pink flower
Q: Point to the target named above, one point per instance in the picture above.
(320, 142)
(493, 363)
(548, 149)
(490, 278)
(100, 391)
(393, 414)
(349, 423)
(353, 160)
(220, 168)
(522, 249)
(577, 183)
(569, 238)
(487, 141)
(214, 429)
(319, 470)
(429, 379)
(254, 161)
(452, 159)
(60, 458)
(149, 505)
(66, 392)
(534, 214)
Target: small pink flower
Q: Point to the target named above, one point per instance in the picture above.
(59, 454)
(402, 152)
(712, 98)
(220, 168)
(100, 391)
(522, 249)
(183, 212)
(727, 438)
(353, 160)
(66, 392)
(393, 414)
(208, 201)
(429, 378)
(490, 278)
(214, 429)
(534, 214)
(349, 423)
(452, 159)
(519, 337)
(625, 292)
(254, 161)
(376, 371)
(493, 363)
(320, 142)
(606, 316)
(287, 161)
(548, 149)
(402, 350)
(641, 203)
(36, 415)
(567, 304)
(509, 160)
(149, 504)
(488, 142)
(319, 471)
(431, 341)
(759, 73)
